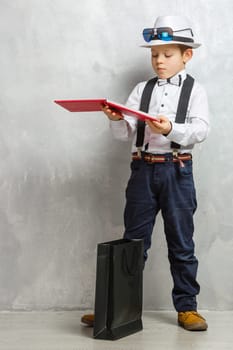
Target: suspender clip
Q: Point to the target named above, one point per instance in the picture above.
(139, 152)
(176, 155)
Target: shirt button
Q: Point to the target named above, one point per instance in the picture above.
(166, 93)
(162, 105)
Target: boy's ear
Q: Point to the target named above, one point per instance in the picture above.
(187, 55)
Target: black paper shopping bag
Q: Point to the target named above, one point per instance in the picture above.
(118, 294)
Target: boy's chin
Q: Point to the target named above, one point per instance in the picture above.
(163, 76)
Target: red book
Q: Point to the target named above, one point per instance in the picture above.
(95, 105)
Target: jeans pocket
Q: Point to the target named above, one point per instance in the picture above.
(135, 165)
(187, 169)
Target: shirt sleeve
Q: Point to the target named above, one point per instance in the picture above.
(125, 129)
(196, 126)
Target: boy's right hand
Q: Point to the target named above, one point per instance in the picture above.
(112, 114)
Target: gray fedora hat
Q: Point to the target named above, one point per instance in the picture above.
(170, 30)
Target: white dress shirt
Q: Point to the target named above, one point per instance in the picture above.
(164, 101)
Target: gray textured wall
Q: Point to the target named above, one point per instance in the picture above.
(62, 193)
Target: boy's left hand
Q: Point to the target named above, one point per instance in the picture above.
(162, 126)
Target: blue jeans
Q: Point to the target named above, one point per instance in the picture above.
(168, 187)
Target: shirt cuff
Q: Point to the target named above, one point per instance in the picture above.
(177, 133)
(169, 131)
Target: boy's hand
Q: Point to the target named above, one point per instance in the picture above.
(112, 114)
(162, 126)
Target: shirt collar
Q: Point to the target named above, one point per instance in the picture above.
(183, 75)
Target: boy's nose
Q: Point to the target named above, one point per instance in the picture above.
(159, 58)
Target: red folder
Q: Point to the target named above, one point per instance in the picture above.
(95, 105)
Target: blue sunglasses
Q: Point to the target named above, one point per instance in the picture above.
(165, 34)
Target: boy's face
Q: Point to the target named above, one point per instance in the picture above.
(168, 60)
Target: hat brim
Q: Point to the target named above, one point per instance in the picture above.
(162, 42)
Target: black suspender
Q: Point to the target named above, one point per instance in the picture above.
(144, 106)
(183, 104)
(181, 109)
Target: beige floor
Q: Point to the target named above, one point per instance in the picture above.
(62, 331)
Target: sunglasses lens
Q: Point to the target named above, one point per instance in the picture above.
(148, 34)
(165, 36)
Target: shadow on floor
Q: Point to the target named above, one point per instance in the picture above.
(162, 317)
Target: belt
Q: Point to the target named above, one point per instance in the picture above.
(162, 158)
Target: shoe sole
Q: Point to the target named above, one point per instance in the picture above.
(87, 322)
(194, 327)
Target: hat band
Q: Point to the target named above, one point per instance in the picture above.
(175, 38)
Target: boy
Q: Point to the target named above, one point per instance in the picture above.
(161, 177)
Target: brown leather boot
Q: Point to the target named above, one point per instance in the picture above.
(88, 320)
(192, 321)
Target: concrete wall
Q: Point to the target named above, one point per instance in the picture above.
(62, 176)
